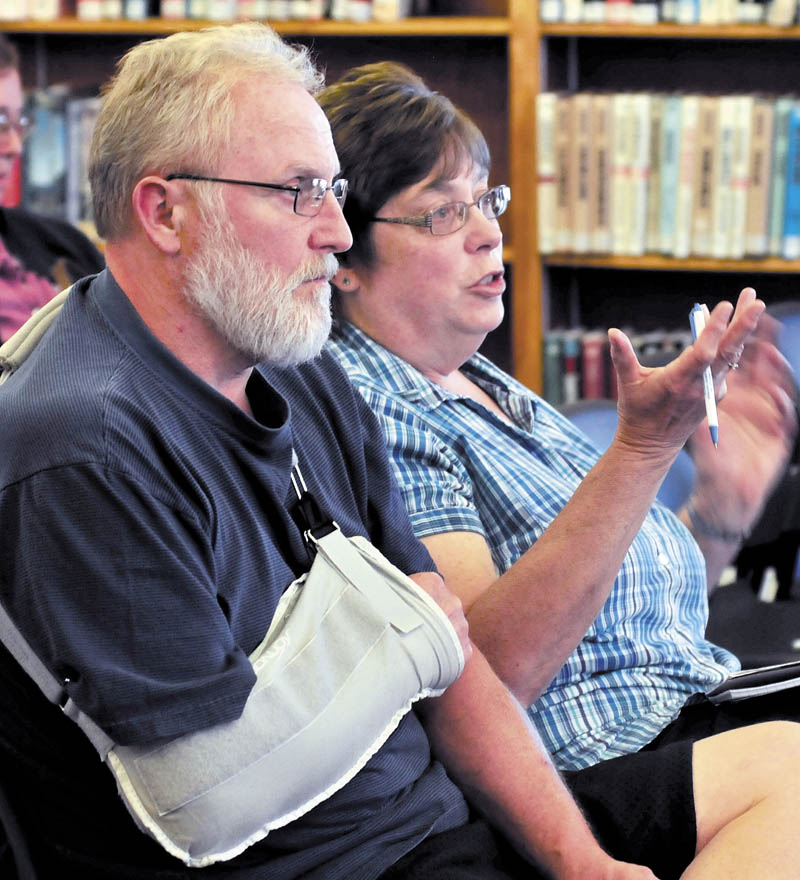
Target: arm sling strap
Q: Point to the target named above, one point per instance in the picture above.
(353, 644)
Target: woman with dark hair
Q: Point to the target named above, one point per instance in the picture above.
(588, 597)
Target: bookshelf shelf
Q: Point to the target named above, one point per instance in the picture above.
(477, 26)
(659, 263)
(665, 30)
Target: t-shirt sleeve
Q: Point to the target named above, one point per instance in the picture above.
(125, 609)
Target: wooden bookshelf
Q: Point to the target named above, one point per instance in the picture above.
(653, 290)
(485, 61)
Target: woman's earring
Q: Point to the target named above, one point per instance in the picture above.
(345, 281)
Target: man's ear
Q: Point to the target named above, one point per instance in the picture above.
(159, 206)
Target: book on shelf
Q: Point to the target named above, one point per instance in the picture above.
(577, 362)
(174, 9)
(549, 10)
(687, 11)
(278, 10)
(778, 13)
(740, 175)
(571, 350)
(572, 10)
(790, 248)
(640, 169)
(621, 171)
(684, 195)
(777, 190)
(594, 369)
(551, 367)
(781, 13)
(219, 10)
(600, 173)
(644, 12)
(759, 176)
(618, 11)
(546, 170)
(750, 11)
(44, 159)
(111, 10)
(653, 227)
(670, 163)
(89, 10)
(48, 10)
(562, 136)
(594, 11)
(722, 194)
(80, 118)
(138, 10)
(13, 10)
(704, 170)
(578, 172)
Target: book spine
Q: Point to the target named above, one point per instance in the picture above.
(549, 10)
(618, 11)
(653, 232)
(687, 11)
(571, 366)
(581, 107)
(740, 175)
(670, 162)
(721, 202)
(89, 10)
(640, 170)
(777, 189)
(759, 176)
(621, 158)
(563, 220)
(705, 155)
(791, 222)
(690, 105)
(174, 9)
(572, 10)
(644, 12)
(593, 366)
(551, 367)
(600, 174)
(546, 170)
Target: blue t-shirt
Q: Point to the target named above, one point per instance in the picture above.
(148, 536)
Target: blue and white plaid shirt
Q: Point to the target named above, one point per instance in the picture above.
(462, 468)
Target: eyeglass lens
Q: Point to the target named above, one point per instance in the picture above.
(311, 193)
(450, 217)
(22, 126)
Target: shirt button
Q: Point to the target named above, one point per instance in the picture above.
(663, 559)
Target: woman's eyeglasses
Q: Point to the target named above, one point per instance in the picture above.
(452, 216)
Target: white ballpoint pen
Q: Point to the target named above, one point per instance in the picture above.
(697, 321)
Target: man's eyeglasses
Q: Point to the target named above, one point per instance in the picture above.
(22, 125)
(452, 216)
(309, 193)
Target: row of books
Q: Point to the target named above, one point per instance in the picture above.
(576, 363)
(54, 178)
(677, 174)
(212, 10)
(778, 13)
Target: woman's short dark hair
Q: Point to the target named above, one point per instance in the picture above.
(390, 131)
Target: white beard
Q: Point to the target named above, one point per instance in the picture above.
(251, 307)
